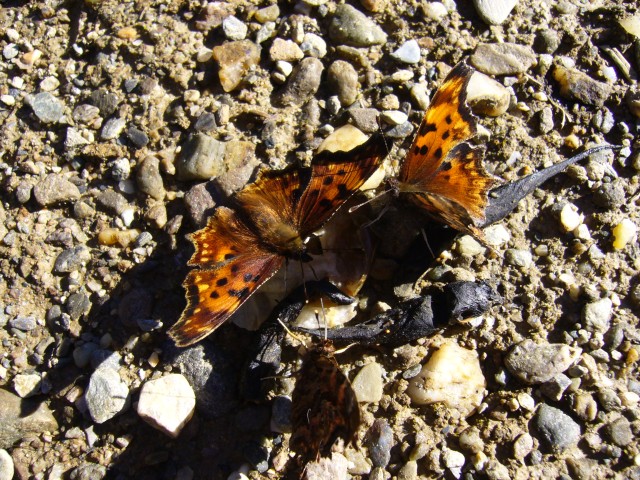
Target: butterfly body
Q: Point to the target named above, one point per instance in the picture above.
(442, 172)
(240, 248)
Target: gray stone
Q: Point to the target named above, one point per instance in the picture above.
(576, 85)
(240, 164)
(502, 58)
(610, 195)
(352, 27)
(6, 465)
(597, 315)
(27, 384)
(78, 304)
(106, 395)
(518, 258)
(609, 400)
(206, 122)
(234, 29)
(22, 323)
(201, 158)
(409, 52)
(366, 119)
(619, 432)
(47, 108)
(54, 189)
(557, 429)
(137, 137)
(112, 128)
(72, 259)
(400, 131)
(343, 80)
(149, 178)
(554, 388)
(74, 139)
(281, 415)
(303, 82)
(107, 102)
(88, 471)
(85, 114)
(538, 363)
(120, 169)
(199, 203)
(22, 418)
(112, 201)
(546, 120)
(314, 45)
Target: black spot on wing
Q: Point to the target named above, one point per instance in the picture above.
(214, 294)
(247, 277)
(234, 268)
(446, 166)
(222, 282)
(228, 256)
(427, 127)
(445, 135)
(448, 119)
(328, 180)
(423, 150)
(325, 203)
(343, 192)
(239, 293)
(438, 153)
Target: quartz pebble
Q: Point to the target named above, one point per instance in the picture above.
(408, 52)
(6, 465)
(285, 50)
(452, 375)
(367, 384)
(486, 96)
(494, 12)
(570, 218)
(234, 29)
(518, 258)
(502, 58)
(538, 363)
(314, 45)
(167, 403)
(27, 384)
(597, 315)
(201, 158)
(234, 60)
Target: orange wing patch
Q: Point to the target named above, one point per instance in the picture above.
(443, 172)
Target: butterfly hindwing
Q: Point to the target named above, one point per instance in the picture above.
(213, 294)
(442, 170)
(335, 177)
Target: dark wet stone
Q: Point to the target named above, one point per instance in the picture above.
(106, 101)
(206, 122)
(77, 305)
(137, 137)
(257, 455)
(379, 441)
(281, 415)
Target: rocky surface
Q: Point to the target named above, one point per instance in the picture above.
(123, 124)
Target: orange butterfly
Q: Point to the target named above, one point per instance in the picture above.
(239, 249)
(442, 171)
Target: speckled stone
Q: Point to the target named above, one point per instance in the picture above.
(379, 441)
(352, 27)
(343, 80)
(149, 179)
(556, 428)
(502, 58)
(47, 107)
(576, 85)
(201, 158)
(303, 82)
(538, 363)
(54, 189)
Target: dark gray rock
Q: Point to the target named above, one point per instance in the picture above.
(281, 415)
(556, 428)
(106, 102)
(619, 432)
(24, 324)
(21, 418)
(78, 304)
(137, 137)
(72, 259)
(379, 441)
(112, 201)
(303, 82)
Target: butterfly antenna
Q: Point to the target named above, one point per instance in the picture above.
(293, 335)
(426, 240)
(375, 197)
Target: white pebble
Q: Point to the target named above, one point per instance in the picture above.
(434, 10)
(496, 235)
(582, 232)
(394, 117)
(570, 218)
(167, 403)
(367, 384)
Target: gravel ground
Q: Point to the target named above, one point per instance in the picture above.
(115, 116)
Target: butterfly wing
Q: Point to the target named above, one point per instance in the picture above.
(335, 176)
(232, 265)
(444, 171)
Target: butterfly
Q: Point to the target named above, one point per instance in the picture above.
(240, 248)
(324, 406)
(443, 172)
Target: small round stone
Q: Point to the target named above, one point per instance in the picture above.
(518, 258)
(137, 137)
(367, 384)
(557, 429)
(149, 179)
(47, 108)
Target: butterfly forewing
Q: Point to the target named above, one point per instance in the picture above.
(335, 177)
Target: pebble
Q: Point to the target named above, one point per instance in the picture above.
(633, 102)
(545, 120)
(89, 471)
(137, 137)
(267, 14)
(314, 45)
(47, 108)
(485, 96)
(435, 11)
(107, 102)
(555, 388)
(394, 117)
(86, 114)
(623, 233)
(234, 29)
(167, 403)
(120, 169)
(234, 60)
(409, 471)
(241, 163)
(201, 158)
(24, 324)
(496, 235)
(518, 258)
(467, 245)
(6, 465)
(522, 446)
(502, 58)
(149, 179)
(285, 50)
(106, 395)
(570, 218)
(199, 203)
(619, 432)
(420, 95)
(584, 406)
(74, 139)
(303, 82)
(368, 384)
(72, 259)
(400, 131)
(597, 315)
(609, 400)
(454, 461)
(453, 376)
(538, 363)
(10, 51)
(494, 12)
(21, 418)
(54, 189)
(379, 441)
(27, 384)
(557, 428)
(266, 32)
(365, 119)
(352, 27)
(112, 128)
(579, 86)
(343, 80)
(281, 414)
(335, 468)
(49, 84)
(631, 24)
(408, 52)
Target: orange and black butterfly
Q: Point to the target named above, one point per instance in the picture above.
(443, 172)
(324, 406)
(241, 248)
